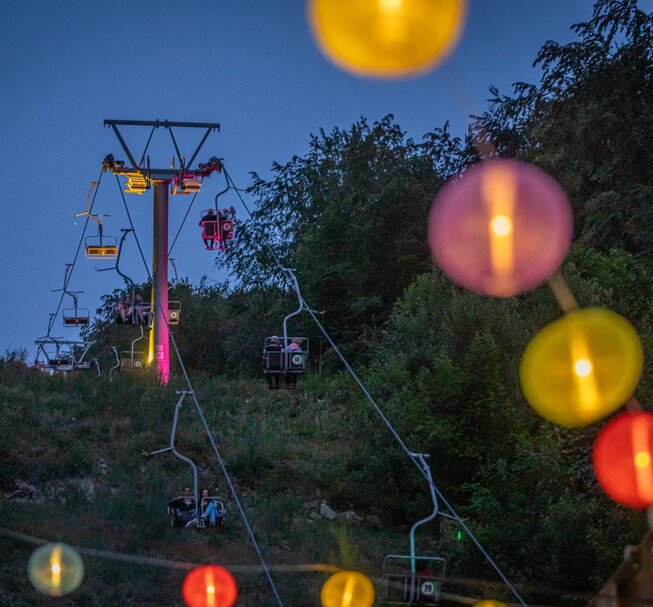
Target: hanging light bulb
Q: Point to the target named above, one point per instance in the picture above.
(55, 569)
(500, 228)
(623, 459)
(490, 603)
(347, 589)
(387, 38)
(582, 367)
(209, 586)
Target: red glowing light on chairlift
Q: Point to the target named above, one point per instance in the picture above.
(623, 459)
(210, 586)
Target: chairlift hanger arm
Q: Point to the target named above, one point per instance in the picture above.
(166, 124)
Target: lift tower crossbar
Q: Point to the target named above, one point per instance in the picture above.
(142, 177)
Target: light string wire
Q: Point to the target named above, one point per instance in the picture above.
(72, 268)
(215, 448)
(385, 420)
(168, 563)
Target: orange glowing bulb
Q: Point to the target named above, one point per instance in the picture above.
(387, 38)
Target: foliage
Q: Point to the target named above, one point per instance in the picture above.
(589, 122)
(350, 217)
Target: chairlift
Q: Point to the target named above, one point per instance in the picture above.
(99, 246)
(75, 316)
(188, 183)
(284, 359)
(62, 356)
(182, 510)
(217, 228)
(136, 182)
(412, 579)
(132, 359)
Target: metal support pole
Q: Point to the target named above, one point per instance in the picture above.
(160, 280)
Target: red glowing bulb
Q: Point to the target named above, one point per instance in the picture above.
(623, 459)
(210, 586)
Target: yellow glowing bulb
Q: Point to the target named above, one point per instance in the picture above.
(387, 38)
(583, 367)
(390, 4)
(56, 569)
(501, 225)
(642, 459)
(210, 589)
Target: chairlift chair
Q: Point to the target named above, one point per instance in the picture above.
(217, 231)
(136, 183)
(76, 317)
(182, 510)
(132, 360)
(174, 312)
(189, 183)
(412, 579)
(183, 503)
(287, 364)
(101, 247)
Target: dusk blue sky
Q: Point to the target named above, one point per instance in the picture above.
(251, 66)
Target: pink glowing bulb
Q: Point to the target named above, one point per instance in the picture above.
(501, 228)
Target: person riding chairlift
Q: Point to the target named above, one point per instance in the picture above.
(274, 360)
(214, 234)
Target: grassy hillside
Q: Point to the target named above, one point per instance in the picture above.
(73, 471)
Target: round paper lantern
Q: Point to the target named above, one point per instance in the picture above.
(623, 459)
(387, 38)
(347, 589)
(210, 586)
(500, 228)
(55, 569)
(581, 367)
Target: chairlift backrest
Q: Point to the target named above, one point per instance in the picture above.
(174, 312)
(286, 358)
(129, 362)
(413, 580)
(76, 317)
(101, 247)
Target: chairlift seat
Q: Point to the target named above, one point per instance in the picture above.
(189, 184)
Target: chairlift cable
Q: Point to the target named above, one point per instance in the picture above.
(380, 413)
(131, 223)
(72, 265)
(183, 221)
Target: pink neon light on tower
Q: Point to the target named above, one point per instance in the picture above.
(160, 280)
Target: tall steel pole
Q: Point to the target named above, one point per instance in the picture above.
(160, 280)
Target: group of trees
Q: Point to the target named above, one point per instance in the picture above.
(350, 217)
